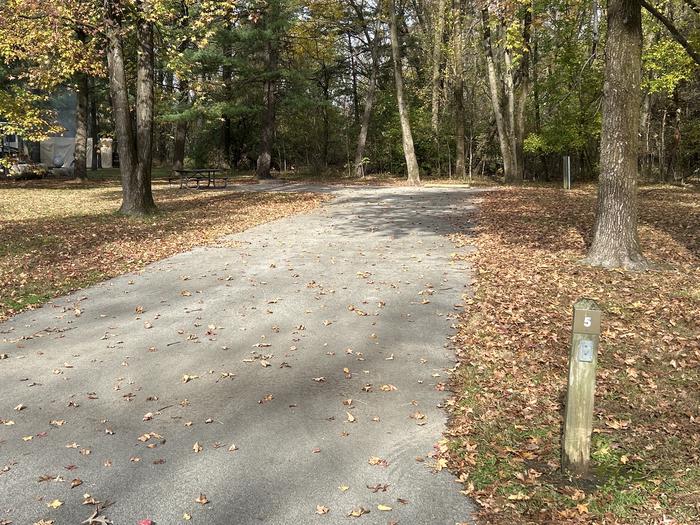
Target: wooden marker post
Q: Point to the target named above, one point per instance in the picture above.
(578, 419)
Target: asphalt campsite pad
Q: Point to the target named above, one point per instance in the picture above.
(292, 375)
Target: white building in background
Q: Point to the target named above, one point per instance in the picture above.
(59, 151)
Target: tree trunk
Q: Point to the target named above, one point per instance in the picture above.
(179, 145)
(460, 172)
(509, 86)
(408, 150)
(81, 128)
(325, 88)
(264, 163)
(94, 132)
(615, 239)
(522, 90)
(373, 43)
(134, 157)
(496, 98)
(643, 133)
(142, 197)
(353, 73)
(437, 60)
(364, 124)
(458, 46)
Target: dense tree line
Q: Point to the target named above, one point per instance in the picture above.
(430, 87)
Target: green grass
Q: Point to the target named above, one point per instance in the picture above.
(38, 293)
(27, 244)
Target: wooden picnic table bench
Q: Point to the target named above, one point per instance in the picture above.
(199, 176)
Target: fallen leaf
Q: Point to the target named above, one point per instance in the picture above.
(374, 460)
(359, 511)
(197, 447)
(202, 499)
(55, 504)
(268, 397)
(320, 509)
(385, 508)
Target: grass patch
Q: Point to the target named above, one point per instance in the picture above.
(60, 236)
(504, 436)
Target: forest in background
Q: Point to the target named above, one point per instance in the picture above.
(502, 88)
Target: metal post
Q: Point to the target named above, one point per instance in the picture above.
(566, 162)
(578, 419)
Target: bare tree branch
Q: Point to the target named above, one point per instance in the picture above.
(672, 29)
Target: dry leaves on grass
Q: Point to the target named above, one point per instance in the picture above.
(58, 237)
(513, 344)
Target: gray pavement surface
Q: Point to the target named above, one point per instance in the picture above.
(234, 372)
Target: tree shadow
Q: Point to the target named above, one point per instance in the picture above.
(396, 213)
(559, 221)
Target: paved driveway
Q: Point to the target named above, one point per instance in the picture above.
(273, 379)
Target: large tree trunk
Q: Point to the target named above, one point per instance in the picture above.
(615, 240)
(134, 158)
(81, 127)
(142, 196)
(408, 150)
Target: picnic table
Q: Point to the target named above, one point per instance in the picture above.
(199, 176)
